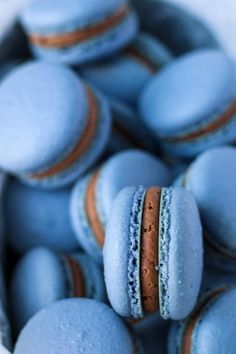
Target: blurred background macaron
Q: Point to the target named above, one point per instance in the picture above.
(128, 130)
(153, 253)
(210, 328)
(181, 30)
(3, 179)
(53, 125)
(211, 180)
(75, 32)
(92, 196)
(191, 104)
(79, 325)
(43, 276)
(124, 76)
(36, 217)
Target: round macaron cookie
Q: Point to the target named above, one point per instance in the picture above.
(79, 326)
(153, 252)
(180, 30)
(191, 104)
(35, 217)
(214, 278)
(124, 77)
(53, 125)
(75, 32)
(43, 276)
(128, 130)
(211, 180)
(210, 328)
(93, 195)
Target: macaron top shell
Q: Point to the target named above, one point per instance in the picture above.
(189, 92)
(79, 326)
(211, 179)
(179, 258)
(128, 168)
(66, 14)
(38, 103)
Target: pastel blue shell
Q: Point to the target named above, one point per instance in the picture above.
(185, 96)
(123, 77)
(50, 17)
(97, 329)
(131, 167)
(211, 180)
(180, 253)
(39, 129)
(42, 277)
(36, 217)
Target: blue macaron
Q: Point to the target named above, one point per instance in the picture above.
(35, 217)
(179, 29)
(93, 195)
(43, 276)
(76, 326)
(123, 77)
(211, 180)
(210, 328)
(128, 130)
(153, 252)
(75, 32)
(53, 125)
(191, 104)
(5, 331)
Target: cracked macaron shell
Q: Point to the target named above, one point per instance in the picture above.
(180, 253)
(198, 99)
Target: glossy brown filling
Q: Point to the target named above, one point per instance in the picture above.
(80, 35)
(91, 210)
(81, 146)
(149, 250)
(77, 277)
(187, 339)
(133, 53)
(210, 128)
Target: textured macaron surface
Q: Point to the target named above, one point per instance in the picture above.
(185, 96)
(211, 179)
(64, 15)
(180, 253)
(38, 104)
(141, 275)
(79, 326)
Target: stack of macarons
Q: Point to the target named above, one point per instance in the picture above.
(117, 182)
